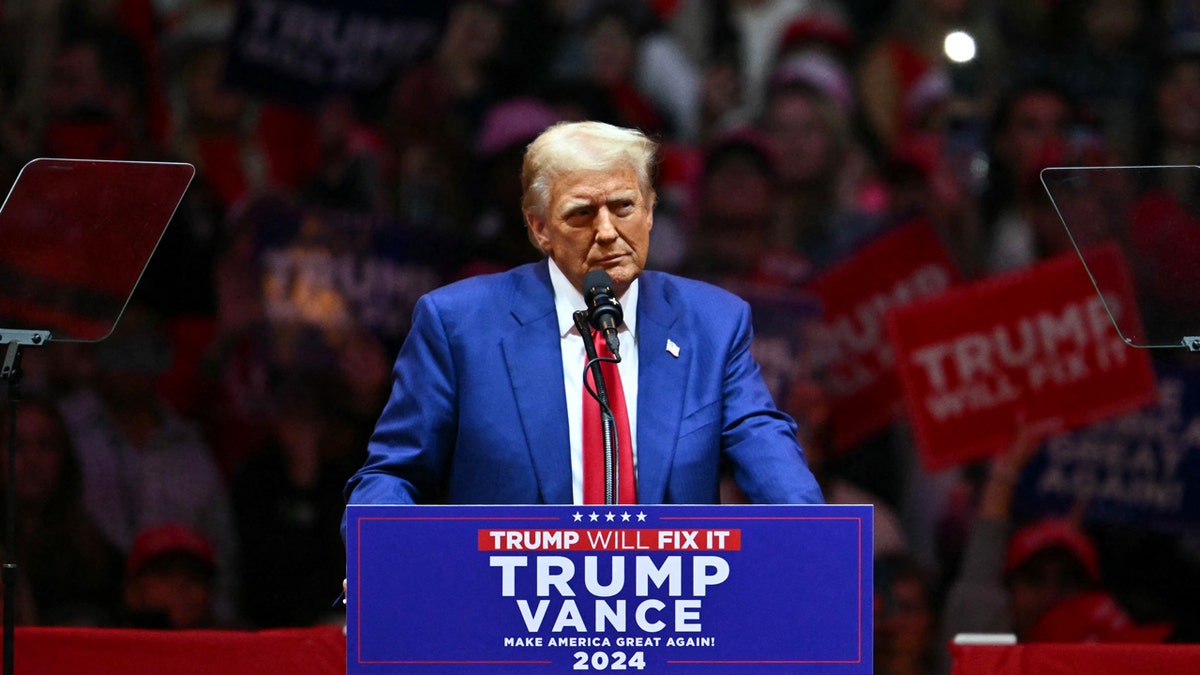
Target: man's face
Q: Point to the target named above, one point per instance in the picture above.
(185, 599)
(1178, 102)
(40, 460)
(76, 81)
(903, 620)
(802, 138)
(1040, 583)
(596, 220)
(1038, 126)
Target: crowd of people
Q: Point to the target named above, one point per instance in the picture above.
(188, 471)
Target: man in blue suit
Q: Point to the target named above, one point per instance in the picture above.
(486, 404)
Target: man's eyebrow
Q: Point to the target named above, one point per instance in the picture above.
(574, 203)
(623, 195)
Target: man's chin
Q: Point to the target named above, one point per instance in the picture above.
(623, 275)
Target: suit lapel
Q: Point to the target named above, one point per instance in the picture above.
(662, 382)
(530, 350)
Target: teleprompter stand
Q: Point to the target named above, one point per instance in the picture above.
(75, 237)
(10, 373)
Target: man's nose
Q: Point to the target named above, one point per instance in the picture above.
(605, 229)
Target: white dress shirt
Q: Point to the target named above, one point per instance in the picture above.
(567, 300)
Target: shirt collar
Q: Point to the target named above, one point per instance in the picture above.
(568, 299)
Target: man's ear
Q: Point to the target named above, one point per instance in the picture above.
(535, 227)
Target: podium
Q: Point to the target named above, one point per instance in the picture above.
(549, 590)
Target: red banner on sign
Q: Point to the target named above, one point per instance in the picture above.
(850, 346)
(1038, 342)
(610, 540)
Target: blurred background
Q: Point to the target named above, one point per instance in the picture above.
(833, 161)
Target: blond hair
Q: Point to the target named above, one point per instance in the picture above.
(577, 146)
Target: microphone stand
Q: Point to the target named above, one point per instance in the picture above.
(11, 373)
(608, 422)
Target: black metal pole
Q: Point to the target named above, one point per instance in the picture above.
(8, 575)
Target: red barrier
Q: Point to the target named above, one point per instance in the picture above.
(1075, 659)
(111, 651)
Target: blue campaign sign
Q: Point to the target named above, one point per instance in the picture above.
(543, 590)
(302, 50)
(1141, 470)
(335, 270)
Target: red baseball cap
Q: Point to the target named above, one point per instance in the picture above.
(1049, 534)
(167, 539)
(820, 27)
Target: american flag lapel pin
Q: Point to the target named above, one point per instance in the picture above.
(672, 348)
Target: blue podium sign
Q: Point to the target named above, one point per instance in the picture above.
(548, 590)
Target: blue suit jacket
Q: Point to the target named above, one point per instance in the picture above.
(477, 414)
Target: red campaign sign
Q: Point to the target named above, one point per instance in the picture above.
(850, 346)
(1037, 342)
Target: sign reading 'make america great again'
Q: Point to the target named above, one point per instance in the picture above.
(652, 589)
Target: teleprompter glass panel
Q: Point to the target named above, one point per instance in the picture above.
(1152, 213)
(75, 237)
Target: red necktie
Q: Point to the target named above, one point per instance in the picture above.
(593, 441)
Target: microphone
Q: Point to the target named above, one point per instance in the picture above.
(603, 310)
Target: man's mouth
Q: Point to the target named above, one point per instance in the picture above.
(612, 259)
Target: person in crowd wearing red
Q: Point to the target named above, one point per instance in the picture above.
(169, 580)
